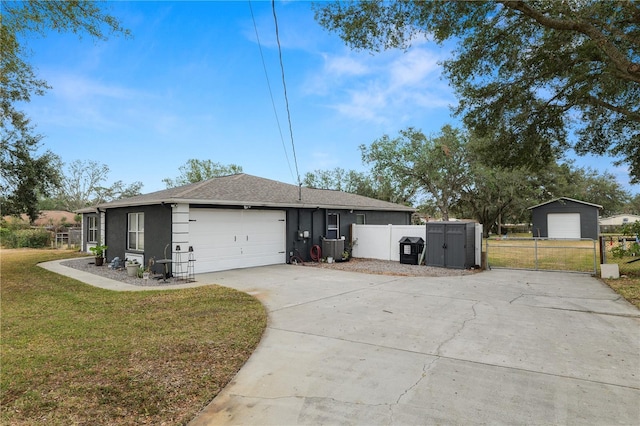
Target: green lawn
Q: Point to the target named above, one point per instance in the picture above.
(75, 354)
(555, 255)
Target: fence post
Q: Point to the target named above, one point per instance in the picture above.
(486, 254)
(595, 265)
(535, 253)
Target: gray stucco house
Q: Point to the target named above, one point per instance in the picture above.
(565, 218)
(230, 222)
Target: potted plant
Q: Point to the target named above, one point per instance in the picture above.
(98, 252)
(146, 272)
(132, 268)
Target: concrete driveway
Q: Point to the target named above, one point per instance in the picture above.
(498, 347)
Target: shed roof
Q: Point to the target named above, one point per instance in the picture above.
(565, 199)
(247, 190)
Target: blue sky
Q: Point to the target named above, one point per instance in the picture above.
(190, 83)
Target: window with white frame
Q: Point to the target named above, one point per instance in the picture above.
(92, 229)
(135, 234)
(333, 225)
(360, 219)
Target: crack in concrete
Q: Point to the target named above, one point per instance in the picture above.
(462, 327)
(439, 356)
(427, 366)
(425, 369)
(586, 311)
(579, 309)
(518, 297)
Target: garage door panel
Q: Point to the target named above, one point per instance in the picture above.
(563, 225)
(228, 239)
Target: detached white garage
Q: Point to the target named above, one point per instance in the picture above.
(565, 218)
(235, 238)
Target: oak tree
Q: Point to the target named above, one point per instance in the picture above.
(195, 170)
(539, 77)
(28, 175)
(433, 168)
(380, 187)
(84, 184)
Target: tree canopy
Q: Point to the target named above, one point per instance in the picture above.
(26, 174)
(431, 167)
(83, 185)
(539, 77)
(448, 174)
(381, 187)
(195, 170)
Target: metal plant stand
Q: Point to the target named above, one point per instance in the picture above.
(177, 270)
(191, 270)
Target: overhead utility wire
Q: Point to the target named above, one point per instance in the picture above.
(266, 74)
(284, 84)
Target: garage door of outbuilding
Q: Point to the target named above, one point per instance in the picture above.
(230, 239)
(563, 225)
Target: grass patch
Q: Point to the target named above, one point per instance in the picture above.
(75, 354)
(628, 285)
(556, 255)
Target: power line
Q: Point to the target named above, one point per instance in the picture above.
(284, 85)
(273, 104)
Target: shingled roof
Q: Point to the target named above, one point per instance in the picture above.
(247, 190)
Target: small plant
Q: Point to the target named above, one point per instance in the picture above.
(98, 250)
(345, 255)
(632, 231)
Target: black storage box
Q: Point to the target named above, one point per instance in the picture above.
(410, 249)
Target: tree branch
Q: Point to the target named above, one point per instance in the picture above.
(630, 70)
(632, 115)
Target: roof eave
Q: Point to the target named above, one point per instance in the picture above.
(218, 202)
(565, 198)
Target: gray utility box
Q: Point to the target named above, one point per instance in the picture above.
(410, 249)
(332, 248)
(451, 244)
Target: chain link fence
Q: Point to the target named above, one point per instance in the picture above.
(543, 254)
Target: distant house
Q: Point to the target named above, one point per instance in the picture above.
(613, 222)
(565, 218)
(229, 222)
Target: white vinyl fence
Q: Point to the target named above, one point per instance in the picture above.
(382, 241)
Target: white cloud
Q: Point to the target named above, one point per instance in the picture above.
(393, 86)
(344, 66)
(77, 88)
(413, 68)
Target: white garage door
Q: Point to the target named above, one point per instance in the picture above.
(563, 225)
(229, 239)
